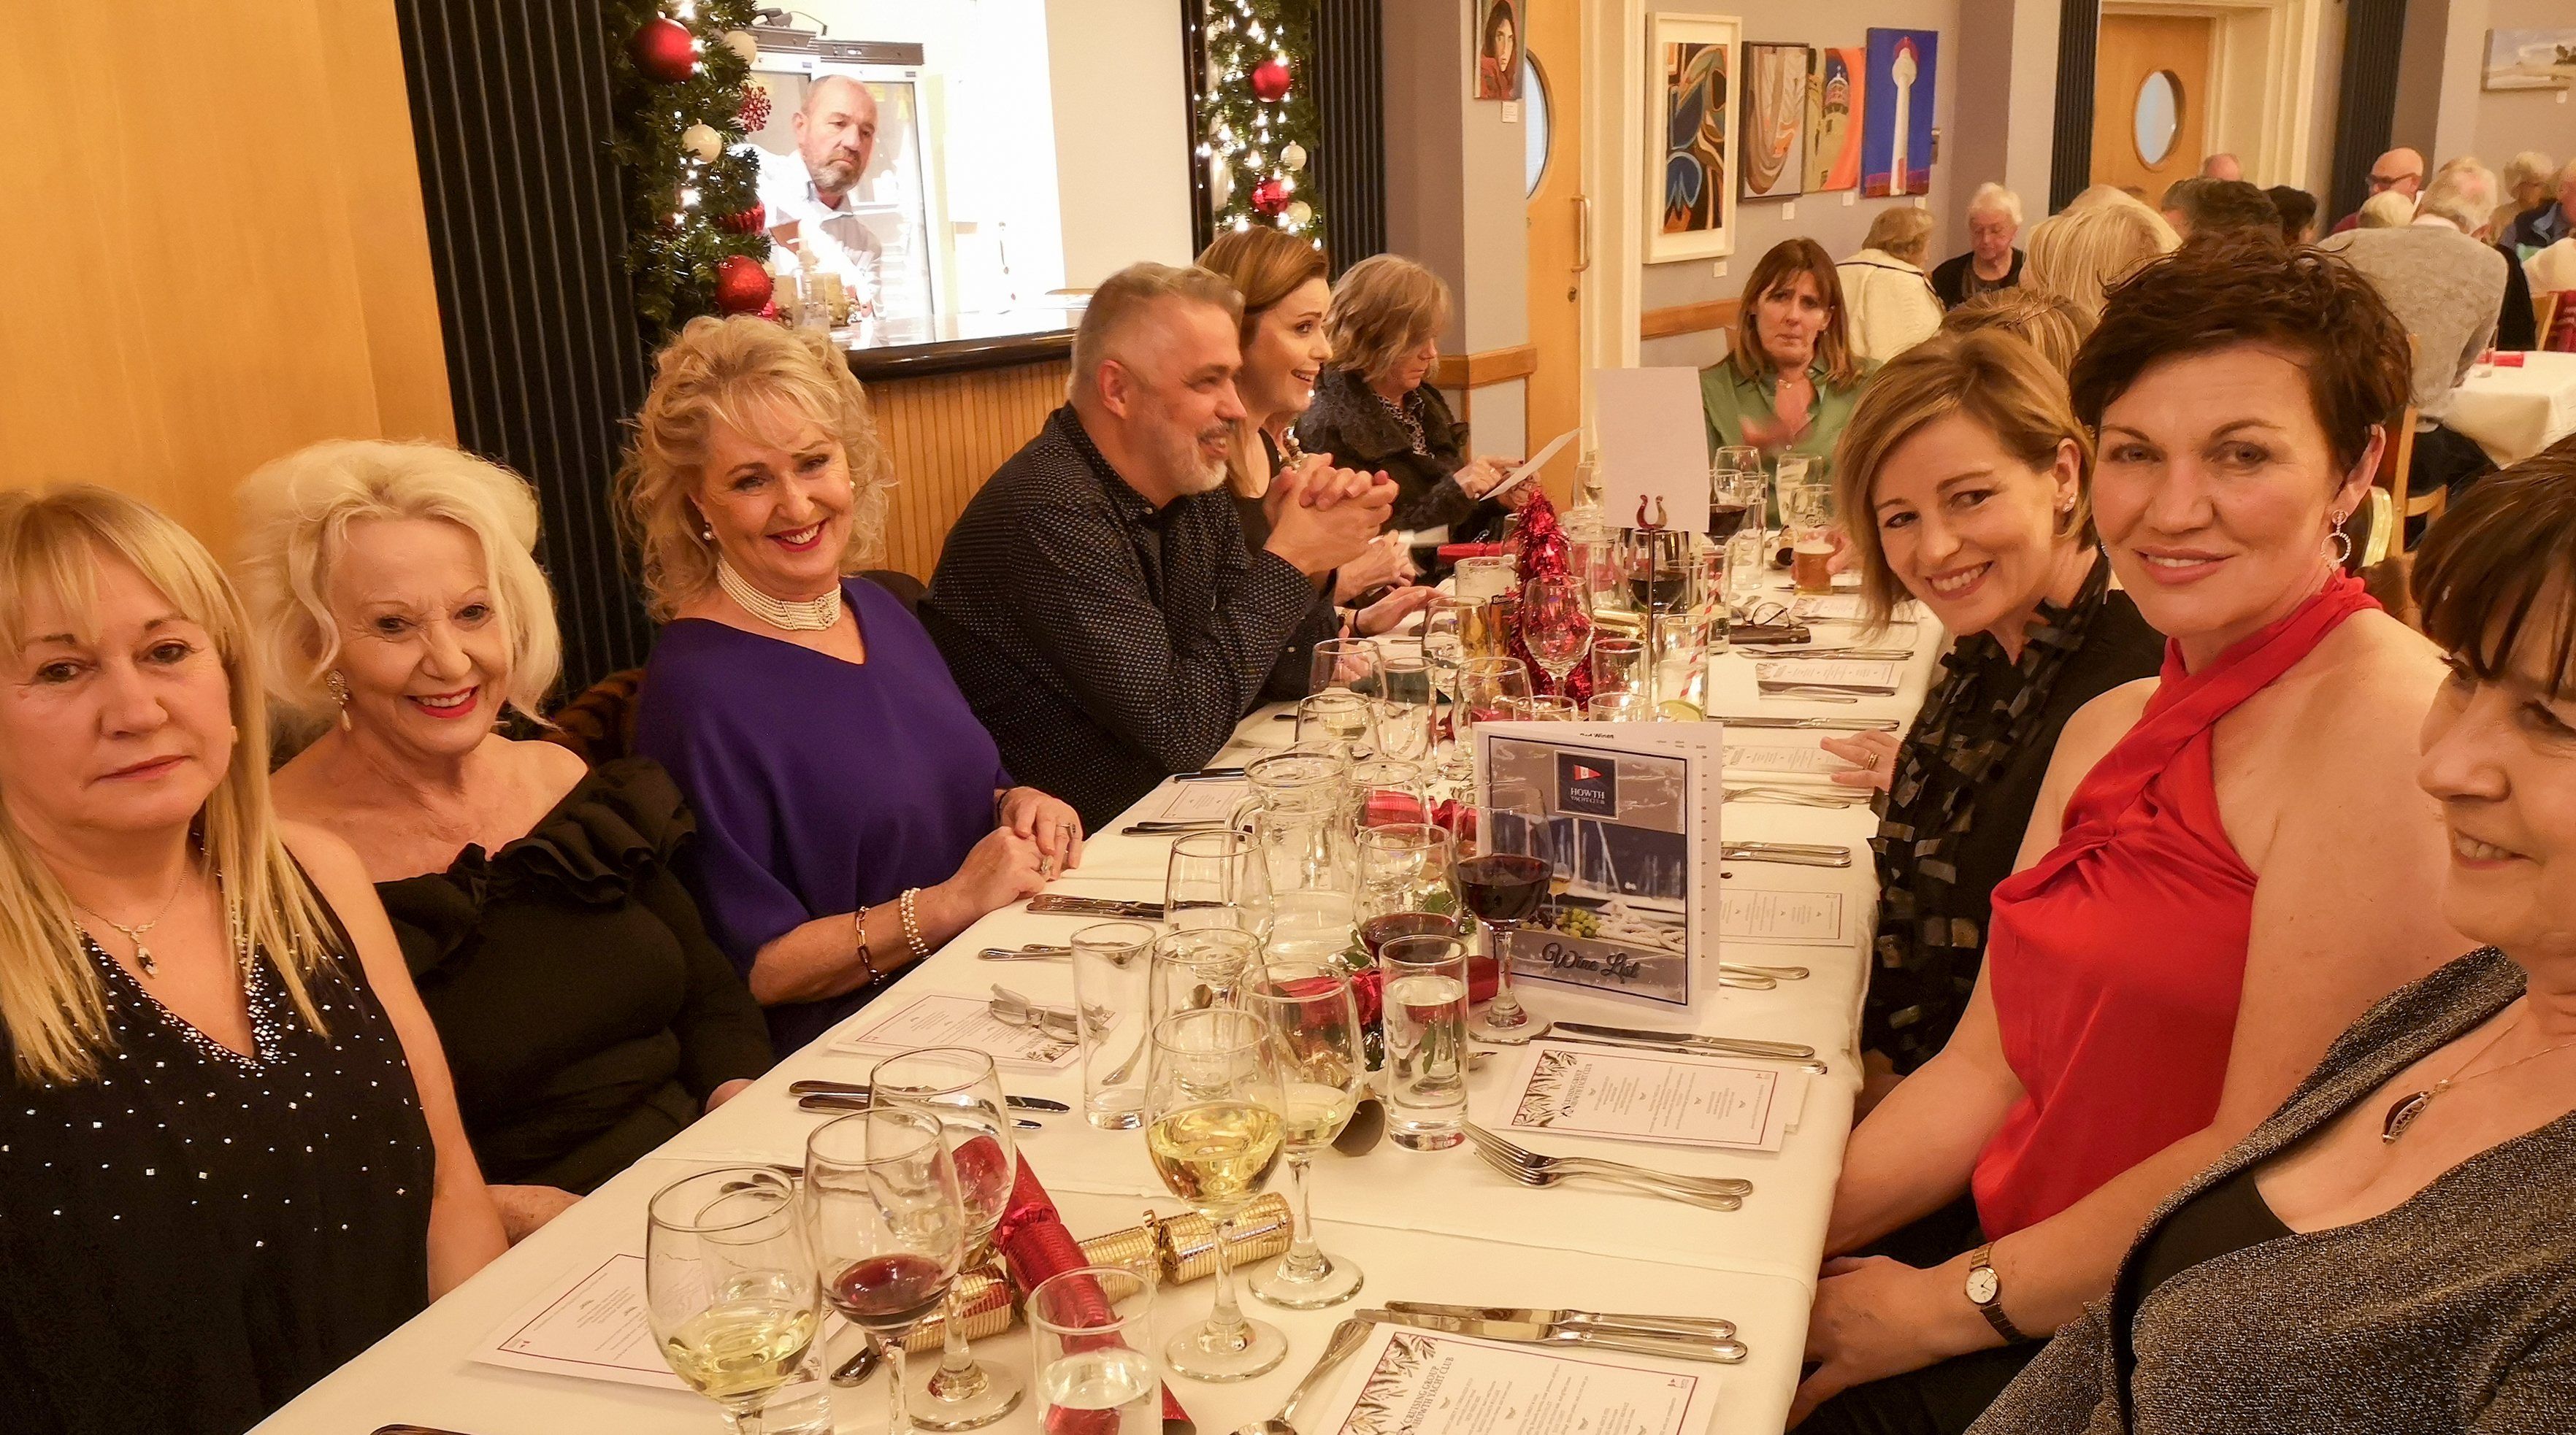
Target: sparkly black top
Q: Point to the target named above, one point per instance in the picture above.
(192, 1238)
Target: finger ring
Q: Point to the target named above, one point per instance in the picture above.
(1870, 763)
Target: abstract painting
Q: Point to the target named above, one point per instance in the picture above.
(1834, 109)
(1896, 120)
(2530, 59)
(1690, 153)
(1771, 140)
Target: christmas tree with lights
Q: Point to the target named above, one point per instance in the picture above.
(696, 240)
(1257, 126)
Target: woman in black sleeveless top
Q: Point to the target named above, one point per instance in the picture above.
(228, 1147)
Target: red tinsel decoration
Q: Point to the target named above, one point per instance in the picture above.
(1545, 553)
(663, 50)
(748, 221)
(742, 285)
(1034, 1246)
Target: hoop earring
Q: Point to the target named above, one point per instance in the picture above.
(2338, 542)
(339, 687)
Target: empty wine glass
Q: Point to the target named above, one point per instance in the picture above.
(1345, 663)
(887, 1227)
(1213, 1130)
(1556, 624)
(1546, 709)
(1216, 879)
(1323, 1071)
(1197, 969)
(729, 1287)
(1407, 714)
(1502, 874)
(958, 1087)
(1488, 688)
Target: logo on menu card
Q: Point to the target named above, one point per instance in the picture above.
(1585, 789)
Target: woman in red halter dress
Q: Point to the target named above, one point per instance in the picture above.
(2227, 864)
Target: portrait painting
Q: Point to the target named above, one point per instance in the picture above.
(1896, 118)
(1498, 51)
(1771, 143)
(1690, 154)
(1834, 108)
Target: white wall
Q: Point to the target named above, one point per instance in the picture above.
(1121, 121)
(2509, 121)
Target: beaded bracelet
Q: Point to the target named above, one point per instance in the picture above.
(912, 925)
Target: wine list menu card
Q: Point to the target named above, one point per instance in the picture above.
(1427, 1383)
(941, 1019)
(590, 1324)
(1570, 1090)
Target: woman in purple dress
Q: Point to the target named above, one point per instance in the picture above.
(853, 814)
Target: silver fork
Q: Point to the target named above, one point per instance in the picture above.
(1014, 1009)
(1529, 1160)
(1541, 1180)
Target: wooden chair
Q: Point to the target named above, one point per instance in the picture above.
(2544, 308)
(2395, 460)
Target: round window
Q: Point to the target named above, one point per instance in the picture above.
(2159, 117)
(1534, 116)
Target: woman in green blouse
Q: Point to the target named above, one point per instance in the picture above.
(1790, 380)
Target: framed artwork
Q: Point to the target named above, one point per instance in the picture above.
(1772, 139)
(2530, 59)
(1690, 154)
(1498, 50)
(1896, 118)
(1834, 110)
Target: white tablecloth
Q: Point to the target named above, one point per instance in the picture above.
(1423, 1225)
(2514, 413)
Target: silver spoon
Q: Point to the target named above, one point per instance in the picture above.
(857, 1369)
(1347, 1337)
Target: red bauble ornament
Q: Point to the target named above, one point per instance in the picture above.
(748, 221)
(742, 285)
(754, 110)
(1270, 80)
(664, 51)
(1270, 196)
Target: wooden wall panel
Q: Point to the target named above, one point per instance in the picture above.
(945, 435)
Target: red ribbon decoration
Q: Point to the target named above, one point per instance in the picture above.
(1035, 1245)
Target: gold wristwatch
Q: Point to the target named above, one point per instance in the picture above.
(1986, 1292)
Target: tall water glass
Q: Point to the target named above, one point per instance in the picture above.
(729, 1288)
(1216, 879)
(1113, 970)
(1478, 580)
(1425, 1006)
(1323, 1071)
(1196, 970)
(1445, 650)
(1618, 666)
(1092, 1332)
(957, 1087)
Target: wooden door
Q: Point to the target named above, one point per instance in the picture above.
(2173, 52)
(1559, 249)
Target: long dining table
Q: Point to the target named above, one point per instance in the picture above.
(1430, 1226)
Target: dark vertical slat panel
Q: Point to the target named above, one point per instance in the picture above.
(511, 118)
(1193, 90)
(2366, 100)
(1350, 98)
(2070, 159)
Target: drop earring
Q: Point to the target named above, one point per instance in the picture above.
(339, 687)
(2338, 542)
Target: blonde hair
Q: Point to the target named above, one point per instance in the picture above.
(295, 516)
(2528, 167)
(1991, 378)
(726, 371)
(51, 999)
(1124, 299)
(2049, 323)
(2080, 254)
(1993, 198)
(1901, 233)
(1385, 307)
(1265, 266)
(2387, 209)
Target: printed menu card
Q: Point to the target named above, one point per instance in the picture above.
(941, 1019)
(590, 1324)
(1427, 1383)
(1569, 1090)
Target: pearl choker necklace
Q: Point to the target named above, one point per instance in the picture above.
(802, 616)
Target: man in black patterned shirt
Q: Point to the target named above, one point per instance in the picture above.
(1095, 600)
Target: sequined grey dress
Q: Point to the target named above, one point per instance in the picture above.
(194, 1237)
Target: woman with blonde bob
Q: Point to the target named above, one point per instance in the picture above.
(2049, 323)
(230, 1138)
(587, 1016)
(1961, 479)
(1791, 376)
(1375, 408)
(2102, 238)
(1888, 302)
(853, 815)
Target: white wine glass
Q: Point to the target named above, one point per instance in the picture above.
(1323, 1071)
(958, 1087)
(1214, 1130)
(887, 1227)
(729, 1286)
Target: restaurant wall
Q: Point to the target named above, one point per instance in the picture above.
(198, 279)
(1122, 138)
(2509, 121)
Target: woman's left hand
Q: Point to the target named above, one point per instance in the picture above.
(728, 1092)
(1874, 751)
(1384, 614)
(1049, 822)
(1873, 1318)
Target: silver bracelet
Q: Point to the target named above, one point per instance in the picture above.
(912, 925)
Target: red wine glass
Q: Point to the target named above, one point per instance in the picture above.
(887, 1227)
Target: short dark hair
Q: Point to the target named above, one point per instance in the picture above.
(2488, 561)
(2212, 205)
(2298, 210)
(2247, 287)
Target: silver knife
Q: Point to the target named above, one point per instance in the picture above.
(1836, 724)
(814, 1087)
(1741, 1045)
(1095, 907)
(1691, 1327)
(825, 1101)
(1792, 854)
(1715, 1351)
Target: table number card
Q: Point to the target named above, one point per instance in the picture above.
(1422, 1382)
(1569, 1090)
(940, 1019)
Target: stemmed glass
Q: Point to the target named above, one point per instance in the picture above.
(1216, 879)
(1444, 650)
(1556, 625)
(729, 1286)
(958, 1087)
(887, 1227)
(1488, 691)
(1407, 713)
(1502, 874)
(1350, 663)
(1213, 1129)
(1323, 1069)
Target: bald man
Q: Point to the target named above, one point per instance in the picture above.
(814, 188)
(2221, 166)
(2399, 171)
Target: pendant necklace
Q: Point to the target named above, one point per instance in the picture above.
(2403, 1113)
(142, 954)
(803, 615)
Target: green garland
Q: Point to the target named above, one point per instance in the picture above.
(673, 246)
(1240, 135)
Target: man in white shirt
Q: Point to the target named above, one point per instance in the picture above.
(836, 136)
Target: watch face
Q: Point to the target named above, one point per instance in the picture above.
(1982, 1284)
